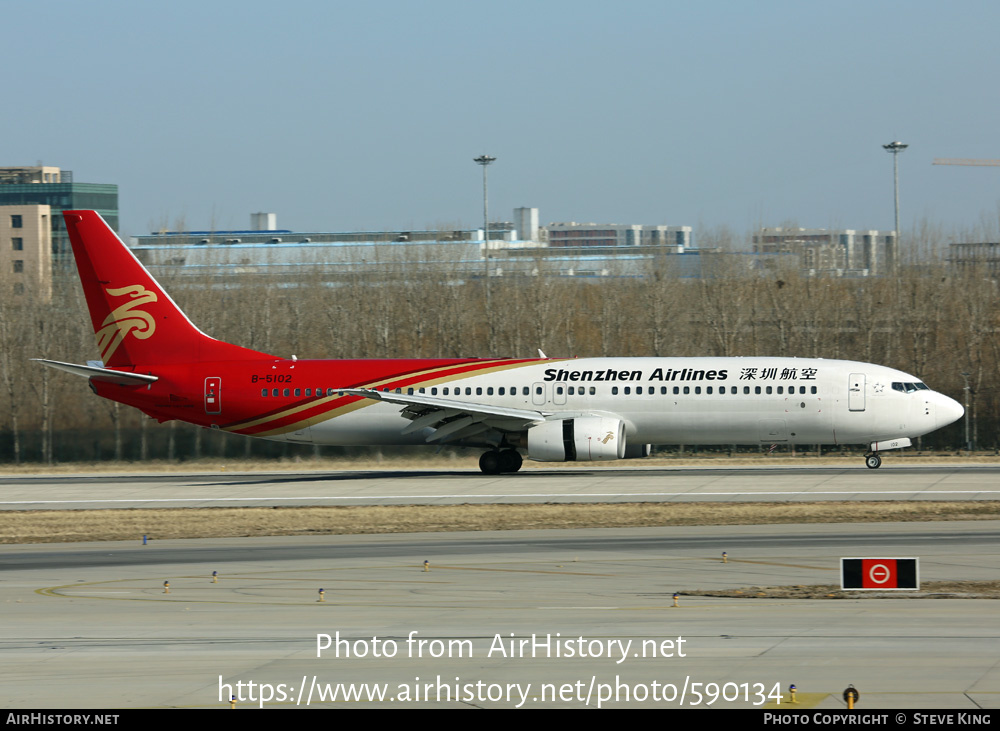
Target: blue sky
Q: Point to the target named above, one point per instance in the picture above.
(362, 116)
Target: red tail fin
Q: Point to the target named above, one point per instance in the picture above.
(135, 321)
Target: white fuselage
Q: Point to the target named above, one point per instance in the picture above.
(746, 400)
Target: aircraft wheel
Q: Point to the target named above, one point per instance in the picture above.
(873, 461)
(489, 462)
(510, 460)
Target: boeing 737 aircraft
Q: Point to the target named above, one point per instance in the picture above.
(552, 410)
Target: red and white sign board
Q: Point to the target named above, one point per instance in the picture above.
(898, 574)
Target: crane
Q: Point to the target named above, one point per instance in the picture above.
(965, 161)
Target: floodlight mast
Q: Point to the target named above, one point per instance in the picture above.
(485, 160)
(895, 148)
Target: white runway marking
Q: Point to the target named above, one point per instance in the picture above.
(540, 495)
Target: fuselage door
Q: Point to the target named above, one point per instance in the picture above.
(772, 430)
(856, 392)
(538, 394)
(213, 395)
(559, 394)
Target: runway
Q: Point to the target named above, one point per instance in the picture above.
(560, 619)
(532, 618)
(564, 484)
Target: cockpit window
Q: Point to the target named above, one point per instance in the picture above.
(908, 387)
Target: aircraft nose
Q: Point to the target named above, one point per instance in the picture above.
(947, 410)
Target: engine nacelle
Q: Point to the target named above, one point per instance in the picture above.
(586, 439)
(638, 451)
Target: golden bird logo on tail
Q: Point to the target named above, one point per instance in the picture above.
(126, 319)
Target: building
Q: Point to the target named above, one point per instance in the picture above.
(264, 221)
(287, 256)
(985, 254)
(579, 235)
(521, 248)
(526, 224)
(843, 252)
(25, 253)
(55, 188)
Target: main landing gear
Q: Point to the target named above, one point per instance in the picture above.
(873, 461)
(496, 461)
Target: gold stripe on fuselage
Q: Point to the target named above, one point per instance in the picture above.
(347, 408)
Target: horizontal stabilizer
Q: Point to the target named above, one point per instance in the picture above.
(122, 378)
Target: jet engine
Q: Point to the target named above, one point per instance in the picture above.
(585, 439)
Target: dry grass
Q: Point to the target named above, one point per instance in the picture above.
(928, 590)
(60, 526)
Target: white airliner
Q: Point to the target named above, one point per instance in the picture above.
(552, 410)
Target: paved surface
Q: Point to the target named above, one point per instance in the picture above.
(565, 484)
(89, 625)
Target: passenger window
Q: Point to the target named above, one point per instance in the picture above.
(538, 390)
(814, 389)
(628, 390)
(614, 390)
(559, 390)
(409, 392)
(264, 393)
(768, 389)
(468, 390)
(526, 391)
(445, 390)
(687, 389)
(285, 392)
(802, 389)
(434, 391)
(708, 390)
(489, 391)
(298, 392)
(677, 390)
(500, 391)
(756, 389)
(593, 390)
(274, 392)
(309, 392)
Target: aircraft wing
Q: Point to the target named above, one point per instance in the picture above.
(122, 378)
(452, 420)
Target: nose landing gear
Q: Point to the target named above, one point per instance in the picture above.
(873, 461)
